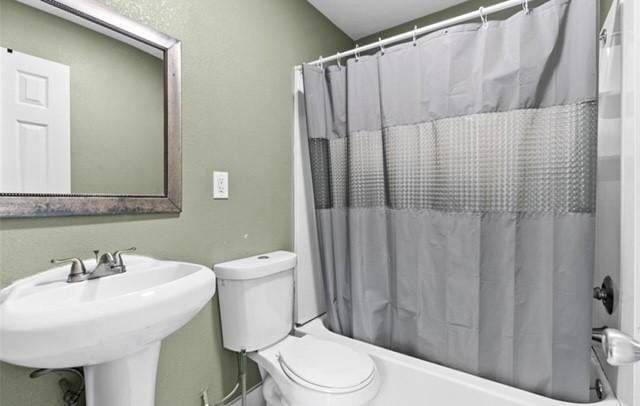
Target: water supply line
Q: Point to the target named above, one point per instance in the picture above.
(240, 384)
(243, 376)
(70, 396)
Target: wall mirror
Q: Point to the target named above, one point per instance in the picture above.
(89, 112)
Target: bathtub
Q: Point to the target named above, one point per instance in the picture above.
(410, 381)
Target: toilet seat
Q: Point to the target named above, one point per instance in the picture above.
(309, 371)
(325, 366)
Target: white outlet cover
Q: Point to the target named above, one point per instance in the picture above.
(220, 185)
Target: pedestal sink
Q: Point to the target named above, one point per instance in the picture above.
(112, 326)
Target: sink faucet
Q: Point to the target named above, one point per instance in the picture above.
(106, 264)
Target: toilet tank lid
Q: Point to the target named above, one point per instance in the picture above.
(257, 266)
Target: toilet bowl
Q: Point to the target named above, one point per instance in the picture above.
(313, 372)
(256, 309)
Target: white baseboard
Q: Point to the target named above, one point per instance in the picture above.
(254, 398)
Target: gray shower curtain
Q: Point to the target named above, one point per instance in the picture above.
(454, 184)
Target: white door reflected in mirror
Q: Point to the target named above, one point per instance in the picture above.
(35, 141)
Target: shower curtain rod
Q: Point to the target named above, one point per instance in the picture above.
(481, 13)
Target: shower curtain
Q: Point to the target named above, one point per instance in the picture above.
(454, 184)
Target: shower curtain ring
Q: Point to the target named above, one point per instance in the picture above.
(415, 31)
(381, 47)
(357, 54)
(483, 17)
(525, 6)
(338, 60)
(320, 63)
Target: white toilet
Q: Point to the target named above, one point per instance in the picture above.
(256, 307)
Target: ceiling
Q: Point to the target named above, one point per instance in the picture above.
(360, 18)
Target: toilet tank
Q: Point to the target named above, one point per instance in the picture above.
(256, 300)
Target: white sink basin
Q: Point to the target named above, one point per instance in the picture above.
(111, 325)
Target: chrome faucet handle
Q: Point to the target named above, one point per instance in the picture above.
(78, 271)
(118, 255)
(619, 348)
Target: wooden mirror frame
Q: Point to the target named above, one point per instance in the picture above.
(98, 17)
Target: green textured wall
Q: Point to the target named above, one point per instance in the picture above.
(107, 79)
(237, 66)
(460, 9)
(604, 9)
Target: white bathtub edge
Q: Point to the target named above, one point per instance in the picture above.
(518, 396)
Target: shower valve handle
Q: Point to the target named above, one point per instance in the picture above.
(619, 348)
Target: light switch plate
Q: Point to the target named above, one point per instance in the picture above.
(220, 185)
